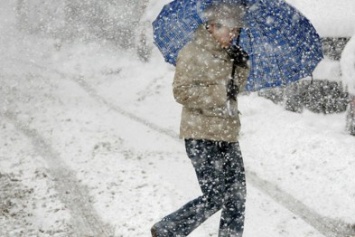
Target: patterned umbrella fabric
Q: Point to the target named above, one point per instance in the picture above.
(282, 44)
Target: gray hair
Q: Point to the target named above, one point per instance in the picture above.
(230, 15)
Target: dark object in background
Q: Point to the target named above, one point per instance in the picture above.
(334, 46)
(319, 96)
(324, 96)
(350, 117)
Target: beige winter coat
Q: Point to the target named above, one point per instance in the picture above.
(202, 70)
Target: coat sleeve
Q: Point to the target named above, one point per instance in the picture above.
(189, 87)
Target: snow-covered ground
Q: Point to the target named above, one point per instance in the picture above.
(89, 147)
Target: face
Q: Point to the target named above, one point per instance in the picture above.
(222, 34)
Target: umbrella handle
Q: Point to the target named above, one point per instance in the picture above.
(229, 108)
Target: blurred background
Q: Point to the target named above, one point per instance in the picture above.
(127, 25)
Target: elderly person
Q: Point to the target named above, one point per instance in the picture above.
(209, 74)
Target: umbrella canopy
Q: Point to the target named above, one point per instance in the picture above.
(282, 44)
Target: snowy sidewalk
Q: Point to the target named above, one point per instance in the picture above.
(133, 170)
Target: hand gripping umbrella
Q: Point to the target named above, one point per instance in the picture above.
(282, 44)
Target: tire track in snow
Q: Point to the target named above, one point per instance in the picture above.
(326, 226)
(93, 93)
(85, 221)
(83, 84)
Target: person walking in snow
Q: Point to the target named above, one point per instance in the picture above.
(210, 73)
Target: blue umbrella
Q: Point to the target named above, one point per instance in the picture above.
(282, 44)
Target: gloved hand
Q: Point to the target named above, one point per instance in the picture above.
(239, 56)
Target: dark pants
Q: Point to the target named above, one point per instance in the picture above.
(220, 172)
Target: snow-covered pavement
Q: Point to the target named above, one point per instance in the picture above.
(89, 147)
(97, 154)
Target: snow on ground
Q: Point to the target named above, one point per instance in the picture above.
(89, 147)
